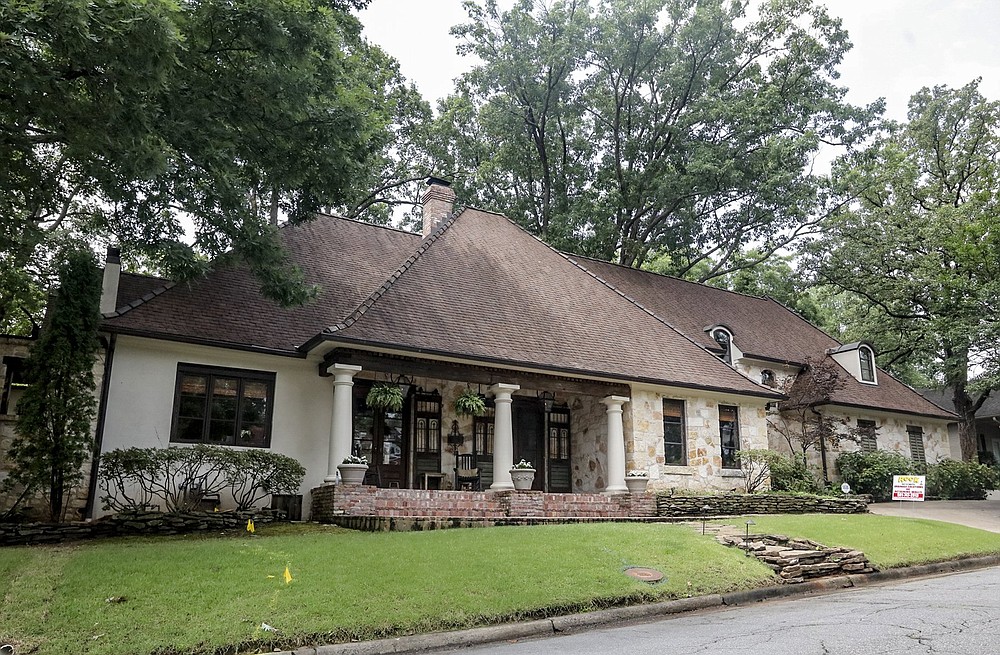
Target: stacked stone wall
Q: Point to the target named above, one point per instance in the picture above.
(798, 560)
(771, 503)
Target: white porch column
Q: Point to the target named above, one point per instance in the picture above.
(340, 426)
(616, 445)
(503, 437)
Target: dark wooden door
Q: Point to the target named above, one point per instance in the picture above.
(379, 438)
(529, 436)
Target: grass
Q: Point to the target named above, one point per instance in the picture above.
(205, 595)
(200, 595)
(887, 541)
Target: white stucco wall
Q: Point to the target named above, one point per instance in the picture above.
(141, 396)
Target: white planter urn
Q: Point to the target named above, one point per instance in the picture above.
(352, 473)
(522, 478)
(636, 484)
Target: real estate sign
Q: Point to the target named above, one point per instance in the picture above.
(908, 487)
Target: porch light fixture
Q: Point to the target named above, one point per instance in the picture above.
(547, 398)
(455, 438)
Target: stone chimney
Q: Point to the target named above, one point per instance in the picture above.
(438, 200)
(112, 273)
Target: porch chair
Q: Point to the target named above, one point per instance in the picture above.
(467, 473)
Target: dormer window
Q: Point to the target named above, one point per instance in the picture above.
(867, 362)
(722, 337)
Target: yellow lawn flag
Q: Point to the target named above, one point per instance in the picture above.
(250, 526)
(288, 575)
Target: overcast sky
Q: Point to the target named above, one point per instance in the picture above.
(899, 45)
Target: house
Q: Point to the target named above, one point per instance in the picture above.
(987, 425)
(589, 369)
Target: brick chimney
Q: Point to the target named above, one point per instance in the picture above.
(438, 200)
(112, 273)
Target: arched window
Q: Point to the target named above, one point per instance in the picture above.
(867, 364)
(767, 378)
(722, 337)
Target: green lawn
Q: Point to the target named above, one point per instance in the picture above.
(887, 541)
(193, 595)
(201, 595)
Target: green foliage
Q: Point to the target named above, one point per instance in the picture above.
(136, 479)
(917, 251)
(791, 474)
(120, 119)
(55, 413)
(688, 126)
(953, 480)
(871, 472)
(470, 403)
(384, 395)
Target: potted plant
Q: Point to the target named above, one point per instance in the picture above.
(636, 481)
(522, 474)
(353, 469)
(470, 403)
(385, 396)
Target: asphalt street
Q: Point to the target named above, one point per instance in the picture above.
(953, 614)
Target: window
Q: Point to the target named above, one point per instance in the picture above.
(767, 378)
(729, 436)
(866, 430)
(559, 433)
(916, 436)
(428, 423)
(14, 384)
(867, 364)
(224, 406)
(482, 433)
(722, 337)
(674, 443)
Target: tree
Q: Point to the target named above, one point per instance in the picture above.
(55, 413)
(799, 420)
(676, 128)
(921, 246)
(121, 121)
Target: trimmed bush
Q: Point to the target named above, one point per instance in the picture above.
(955, 480)
(871, 473)
(791, 474)
(177, 479)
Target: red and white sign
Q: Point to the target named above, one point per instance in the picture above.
(908, 487)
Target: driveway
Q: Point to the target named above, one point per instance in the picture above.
(982, 514)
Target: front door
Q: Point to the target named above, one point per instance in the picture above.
(378, 437)
(528, 416)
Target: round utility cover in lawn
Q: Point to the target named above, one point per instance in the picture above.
(644, 574)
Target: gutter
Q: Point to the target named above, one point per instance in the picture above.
(102, 413)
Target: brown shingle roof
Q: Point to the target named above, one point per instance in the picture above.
(346, 258)
(486, 290)
(761, 327)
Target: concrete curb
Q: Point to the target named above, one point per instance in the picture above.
(590, 620)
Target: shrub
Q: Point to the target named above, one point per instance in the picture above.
(756, 466)
(791, 474)
(871, 472)
(136, 479)
(960, 480)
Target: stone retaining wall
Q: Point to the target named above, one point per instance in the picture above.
(332, 501)
(119, 525)
(798, 560)
(771, 503)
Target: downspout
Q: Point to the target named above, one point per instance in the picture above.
(102, 413)
(822, 444)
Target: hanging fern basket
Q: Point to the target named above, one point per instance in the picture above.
(385, 396)
(470, 403)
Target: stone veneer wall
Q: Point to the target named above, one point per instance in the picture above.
(771, 503)
(118, 525)
(644, 450)
(331, 501)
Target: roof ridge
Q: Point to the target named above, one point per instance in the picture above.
(370, 301)
(124, 309)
